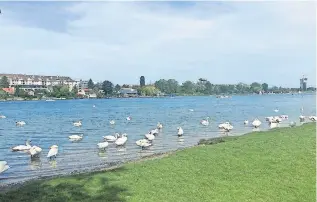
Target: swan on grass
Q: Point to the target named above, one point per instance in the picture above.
(102, 145)
(27, 146)
(77, 123)
(111, 138)
(75, 137)
(3, 166)
(256, 123)
(180, 131)
(20, 123)
(53, 151)
(122, 140)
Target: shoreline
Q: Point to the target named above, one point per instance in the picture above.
(118, 164)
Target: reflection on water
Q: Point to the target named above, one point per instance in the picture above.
(51, 123)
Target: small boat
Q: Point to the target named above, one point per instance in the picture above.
(50, 100)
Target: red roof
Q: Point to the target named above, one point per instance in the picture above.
(8, 90)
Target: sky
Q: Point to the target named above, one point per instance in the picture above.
(224, 42)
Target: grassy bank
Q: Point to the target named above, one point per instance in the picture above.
(278, 165)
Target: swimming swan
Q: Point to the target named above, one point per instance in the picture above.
(78, 123)
(122, 140)
(27, 146)
(53, 151)
(111, 138)
(102, 145)
(180, 131)
(3, 166)
(256, 123)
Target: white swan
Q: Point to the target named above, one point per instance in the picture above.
(143, 143)
(276, 110)
(159, 125)
(269, 118)
(180, 131)
(129, 118)
(273, 124)
(191, 110)
(226, 126)
(35, 150)
(154, 132)
(313, 118)
(150, 136)
(292, 124)
(2, 117)
(246, 122)
(122, 140)
(53, 151)
(94, 106)
(301, 118)
(284, 117)
(102, 145)
(27, 146)
(20, 123)
(3, 166)
(76, 137)
(112, 122)
(78, 123)
(111, 138)
(256, 123)
(205, 122)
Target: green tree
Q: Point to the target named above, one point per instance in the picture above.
(107, 87)
(255, 87)
(142, 81)
(3, 95)
(188, 87)
(4, 83)
(265, 87)
(74, 91)
(91, 84)
(117, 87)
(149, 91)
(17, 91)
(208, 88)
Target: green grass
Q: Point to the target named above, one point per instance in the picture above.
(278, 165)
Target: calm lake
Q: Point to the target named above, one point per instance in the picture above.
(49, 123)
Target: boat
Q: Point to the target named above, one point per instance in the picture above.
(50, 100)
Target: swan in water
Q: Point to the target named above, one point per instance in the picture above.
(292, 124)
(122, 140)
(112, 122)
(129, 118)
(150, 136)
(180, 131)
(27, 146)
(154, 132)
(35, 151)
(78, 123)
(159, 125)
(3, 166)
(301, 118)
(94, 106)
(205, 122)
(20, 123)
(191, 110)
(226, 126)
(284, 117)
(111, 138)
(256, 123)
(2, 117)
(76, 137)
(102, 145)
(246, 122)
(276, 110)
(143, 143)
(53, 151)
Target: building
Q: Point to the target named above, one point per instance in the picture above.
(10, 91)
(303, 83)
(128, 92)
(37, 82)
(82, 85)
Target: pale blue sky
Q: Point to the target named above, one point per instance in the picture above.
(225, 42)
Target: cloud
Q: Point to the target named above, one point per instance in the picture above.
(223, 42)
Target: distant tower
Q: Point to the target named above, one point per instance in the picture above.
(142, 81)
(303, 83)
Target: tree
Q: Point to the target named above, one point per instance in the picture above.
(91, 84)
(3, 95)
(4, 83)
(149, 91)
(74, 91)
(208, 88)
(17, 91)
(142, 81)
(117, 87)
(255, 87)
(265, 87)
(188, 87)
(107, 87)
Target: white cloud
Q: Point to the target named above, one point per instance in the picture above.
(122, 41)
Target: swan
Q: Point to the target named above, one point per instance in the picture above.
(3, 166)
(112, 122)
(78, 123)
(35, 150)
(205, 122)
(292, 124)
(301, 118)
(20, 123)
(2, 117)
(27, 146)
(269, 118)
(53, 151)
(191, 110)
(143, 143)
(102, 145)
(273, 124)
(111, 138)
(284, 117)
(159, 125)
(276, 110)
(226, 126)
(313, 118)
(246, 122)
(180, 131)
(94, 106)
(76, 137)
(129, 118)
(256, 123)
(277, 119)
(122, 140)
(154, 132)
(150, 136)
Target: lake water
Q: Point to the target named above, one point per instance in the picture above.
(49, 123)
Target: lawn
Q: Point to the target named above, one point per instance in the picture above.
(277, 165)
